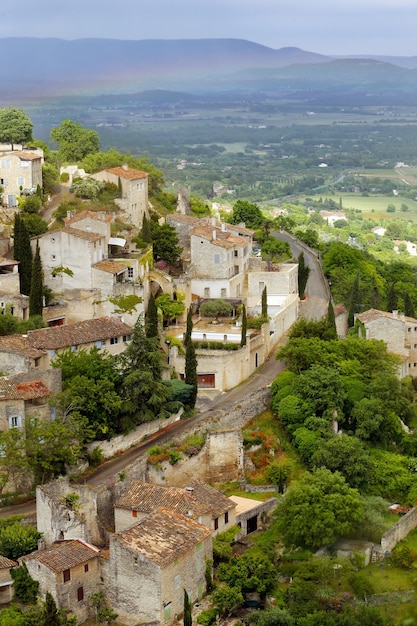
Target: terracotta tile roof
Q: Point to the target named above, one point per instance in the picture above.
(223, 239)
(7, 262)
(25, 156)
(18, 344)
(374, 314)
(87, 331)
(195, 500)
(82, 234)
(113, 267)
(84, 214)
(23, 391)
(164, 536)
(64, 555)
(129, 173)
(146, 498)
(6, 563)
(232, 228)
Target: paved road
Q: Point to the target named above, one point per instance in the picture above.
(314, 306)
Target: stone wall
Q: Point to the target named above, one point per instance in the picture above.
(399, 531)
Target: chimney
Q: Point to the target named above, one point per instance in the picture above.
(125, 166)
(395, 314)
(223, 227)
(213, 221)
(214, 235)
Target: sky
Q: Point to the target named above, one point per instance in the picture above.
(334, 27)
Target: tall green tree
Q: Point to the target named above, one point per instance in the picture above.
(303, 274)
(74, 141)
(145, 233)
(408, 306)
(15, 126)
(188, 618)
(317, 509)
(392, 298)
(264, 303)
(50, 612)
(191, 371)
(143, 391)
(331, 319)
(243, 339)
(189, 326)
(36, 285)
(165, 242)
(151, 322)
(354, 305)
(22, 252)
(248, 213)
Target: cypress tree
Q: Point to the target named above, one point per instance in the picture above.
(354, 301)
(145, 233)
(119, 187)
(188, 619)
(189, 327)
(50, 612)
(408, 306)
(392, 298)
(191, 371)
(23, 253)
(244, 327)
(264, 304)
(331, 318)
(303, 274)
(36, 288)
(151, 326)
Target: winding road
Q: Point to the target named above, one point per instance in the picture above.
(313, 307)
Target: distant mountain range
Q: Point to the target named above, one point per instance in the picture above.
(48, 67)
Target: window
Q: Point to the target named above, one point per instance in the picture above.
(52, 353)
(66, 575)
(53, 413)
(4, 181)
(207, 292)
(114, 340)
(236, 253)
(130, 272)
(5, 163)
(226, 517)
(86, 568)
(20, 181)
(74, 348)
(24, 163)
(217, 258)
(167, 612)
(80, 594)
(177, 582)
(37, 361)
(100, 344)
(53, 257)
(223, 292)
(216, 523)
(15, 421)
(134, 513)
(126, 338)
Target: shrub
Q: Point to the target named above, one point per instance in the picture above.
(361, 586)
(95, 457)
(174, 457)
(207, 617)
(401, 556)
(64, 178)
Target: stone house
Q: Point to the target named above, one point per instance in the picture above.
(20, 173)
(152, 563)
(6, 581)
(11, 300)
(197, 501)
(18, 401)
(70, 571)
(87, 277)
(39, 347)
(134, 185)
(397, 331)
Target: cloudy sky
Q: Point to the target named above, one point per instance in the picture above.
(325, 26)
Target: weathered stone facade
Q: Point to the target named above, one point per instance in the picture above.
(20, 172)
(134, 185)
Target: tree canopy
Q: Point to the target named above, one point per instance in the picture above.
(15, 126)
(74, 141)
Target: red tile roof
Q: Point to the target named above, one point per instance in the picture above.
(64, 555)
(6, 563)
(84, 214)
(113, 267)
(223, 239)
(18, 344)
(87, 331)
(82, 234)
(23, 391)
(129, 173)
(164, 536)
